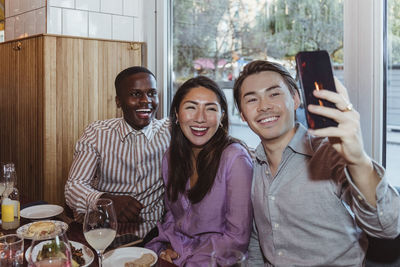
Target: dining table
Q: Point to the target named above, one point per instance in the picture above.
(74, 233)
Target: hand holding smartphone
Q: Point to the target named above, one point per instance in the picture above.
(314, 70)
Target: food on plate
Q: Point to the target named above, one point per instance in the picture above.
(77, 256)
(41, 229)
(53, 250)
(144, 261)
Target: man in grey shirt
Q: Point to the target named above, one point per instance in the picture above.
(311, 196)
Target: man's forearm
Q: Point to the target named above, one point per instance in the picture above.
(366, 179)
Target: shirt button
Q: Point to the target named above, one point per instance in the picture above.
(272, 197)
(267, 172)
(276, 225)
(280, 253)
(380, 213)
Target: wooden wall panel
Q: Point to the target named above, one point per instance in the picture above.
(83, 89)
(21, 124)
(50, 110)
(8, 96)
(30, 116)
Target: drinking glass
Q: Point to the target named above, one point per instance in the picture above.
(11, 250)
(228, 257)
(50, 250)
(2, 180)
(100, 225)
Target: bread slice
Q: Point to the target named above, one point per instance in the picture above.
(144, 261)
(41, 229)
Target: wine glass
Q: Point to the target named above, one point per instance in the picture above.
(50, 250)
(228, 257)
(100, 225)
(11, 250)
(2, 179)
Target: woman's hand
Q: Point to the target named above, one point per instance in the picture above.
(169, 255)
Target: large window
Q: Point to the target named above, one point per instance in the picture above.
(217, 38)
(393, 92)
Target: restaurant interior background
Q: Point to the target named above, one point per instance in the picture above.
(185, 38)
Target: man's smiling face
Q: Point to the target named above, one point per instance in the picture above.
(268, 106)
(138, 99)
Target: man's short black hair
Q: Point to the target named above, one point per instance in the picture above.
(128, 72)
(258, 66)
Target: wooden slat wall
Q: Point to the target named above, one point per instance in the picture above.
(8, 99)
(30, 115)
(50, 91)
(21, 101)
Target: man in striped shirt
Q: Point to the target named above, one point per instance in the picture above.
(121, 158)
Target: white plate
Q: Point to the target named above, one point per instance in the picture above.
(87, 252)
(118, 257)
(41, 211)
(23, 230)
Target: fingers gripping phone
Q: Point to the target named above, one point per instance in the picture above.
(314, 70)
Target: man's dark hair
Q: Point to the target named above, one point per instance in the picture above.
(258, 66)
(128, 72)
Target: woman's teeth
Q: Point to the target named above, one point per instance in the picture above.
(198, 128)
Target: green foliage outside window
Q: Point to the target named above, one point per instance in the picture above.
(225, 31)
(393, 12)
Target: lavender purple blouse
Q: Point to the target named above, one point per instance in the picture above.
(222, 218)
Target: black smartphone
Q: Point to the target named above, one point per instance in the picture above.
(125, 240)
(314, 70)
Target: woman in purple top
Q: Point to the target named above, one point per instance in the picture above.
(208, 180)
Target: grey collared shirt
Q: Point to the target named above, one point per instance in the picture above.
(311, 213)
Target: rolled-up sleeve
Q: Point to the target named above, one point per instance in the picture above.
(382, 221)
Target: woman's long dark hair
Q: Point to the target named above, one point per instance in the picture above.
(180, 167)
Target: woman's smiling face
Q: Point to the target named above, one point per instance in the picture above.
(199, 115)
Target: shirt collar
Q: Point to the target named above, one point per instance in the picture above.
(300, 143)
(125, 129)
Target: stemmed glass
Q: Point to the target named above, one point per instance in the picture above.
(2, 180)
(100, 225)
(50, 250)
(227, 257)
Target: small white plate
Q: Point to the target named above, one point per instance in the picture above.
(23, 230)
(41, 211)
(119, 256)
(87, 252)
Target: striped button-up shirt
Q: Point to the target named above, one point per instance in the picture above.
(112, 157)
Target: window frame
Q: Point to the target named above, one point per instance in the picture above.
(363, 64)
(364, 69)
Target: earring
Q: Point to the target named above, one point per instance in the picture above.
(177, 122)
(220, 124)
